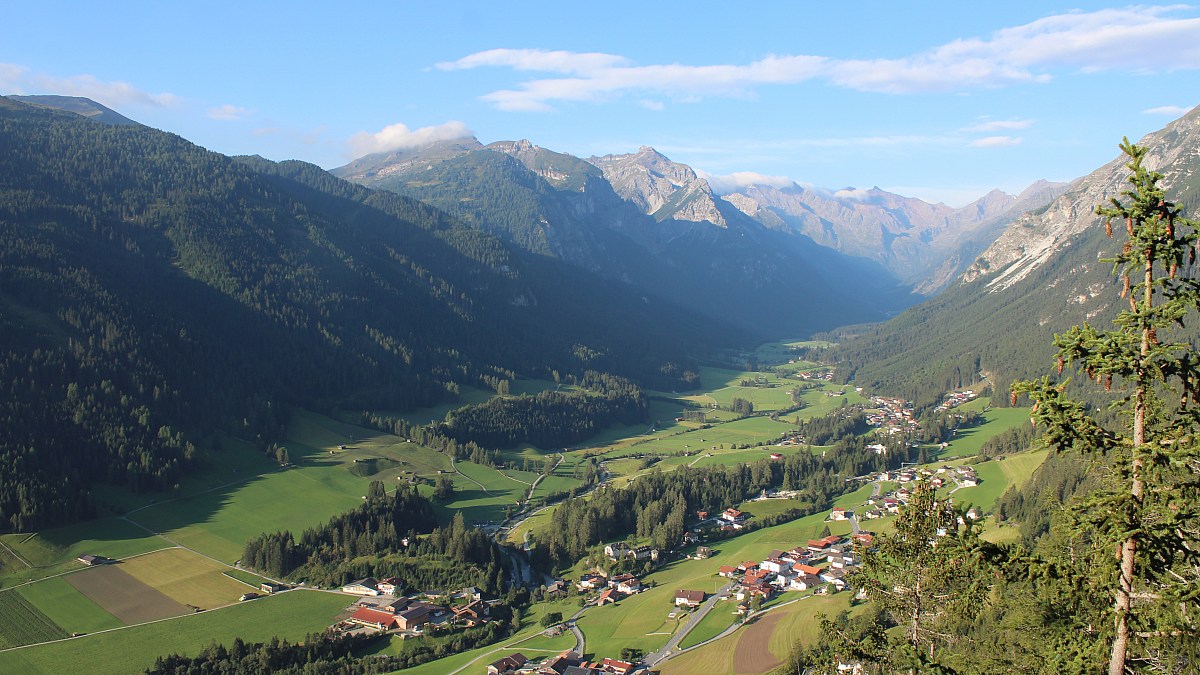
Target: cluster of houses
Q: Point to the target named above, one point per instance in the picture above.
(565, 663)
(380, 609)
(825, 375)
(611, 588)
(888, 503)
(821, 565)
(894, 415)
(955, 399)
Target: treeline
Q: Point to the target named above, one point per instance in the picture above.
(828, 428)
(550, 418)
(317, 654)
(327, 653)
(388, 535)
(658, 506)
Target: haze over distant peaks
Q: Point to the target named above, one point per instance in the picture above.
(85, 107)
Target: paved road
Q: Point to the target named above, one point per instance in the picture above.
(654, 658)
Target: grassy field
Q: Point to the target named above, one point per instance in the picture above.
(21, 624)
(185, 577)
(997, 420)
(789, 623)
(288, 615)
(67, 607)
(55, 551)
(997, 475)
(721, 617)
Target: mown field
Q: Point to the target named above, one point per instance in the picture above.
(185, 577)
(288, 615)
(67, 607)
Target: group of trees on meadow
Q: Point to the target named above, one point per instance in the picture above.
(389, 535)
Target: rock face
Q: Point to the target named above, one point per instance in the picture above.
(1031, 240)
(661, 188)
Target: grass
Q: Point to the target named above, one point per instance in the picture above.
(22, 624)
(967, 442)
(482, 493)
(796, 623)
(997, 475)
(244, 577)
(185, 577)
(717, 620)
(55, 551)
(321, 483)
(67, 607)
(288, 615)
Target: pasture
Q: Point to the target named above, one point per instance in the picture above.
(967, 442)
(67, 607)
(288, 615)
(55, 551)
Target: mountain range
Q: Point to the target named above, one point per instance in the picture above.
(1044, 273)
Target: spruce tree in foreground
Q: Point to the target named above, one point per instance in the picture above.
(1149, 508)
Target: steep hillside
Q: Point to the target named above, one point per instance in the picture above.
(152, 291)
(999, 319)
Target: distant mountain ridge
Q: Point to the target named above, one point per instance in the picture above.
(1041, 276)
(658, 228)
(923, 245)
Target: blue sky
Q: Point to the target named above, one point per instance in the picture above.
(942, 101)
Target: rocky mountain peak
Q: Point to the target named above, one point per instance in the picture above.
(660, 187)
(1033, 239)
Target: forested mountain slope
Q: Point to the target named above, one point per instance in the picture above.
(1043, 275)
(152, 291)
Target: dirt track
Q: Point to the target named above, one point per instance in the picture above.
(124, 597)
(751, 656)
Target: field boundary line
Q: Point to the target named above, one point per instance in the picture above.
(17, 555)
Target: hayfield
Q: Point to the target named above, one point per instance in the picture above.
(967, 442)
(185, 577)
(288, 615)
(22, 624)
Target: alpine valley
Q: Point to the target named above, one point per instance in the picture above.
(462, 408)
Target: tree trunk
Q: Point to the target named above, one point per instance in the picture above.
(1124, 595)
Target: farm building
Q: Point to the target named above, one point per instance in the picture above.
(689, 598)
(508, 664)
(372, 618)
(366, 586)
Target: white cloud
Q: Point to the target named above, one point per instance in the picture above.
(539, 60)
(17, 79)
(1168, 110)
(995, 142)
(651, 105)
(1132, 39)
(229, 112)
(857, 194)
(740, 180)
(396, 136)
(1000, 125)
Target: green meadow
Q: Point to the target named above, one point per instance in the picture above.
(288, 615)
(67, 607)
